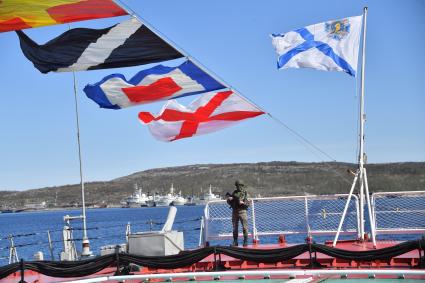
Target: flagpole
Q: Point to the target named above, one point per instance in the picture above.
(360, 175)
(361, 135)
(85, 243)
(364, 188)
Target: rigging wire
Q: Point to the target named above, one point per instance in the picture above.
(42, 233)
(136, 223)
(304, 140)
(113, 236)
(300, 137)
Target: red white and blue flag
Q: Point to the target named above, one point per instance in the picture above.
(209, 113)
(154, 84)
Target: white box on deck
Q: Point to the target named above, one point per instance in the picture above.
(156, 243)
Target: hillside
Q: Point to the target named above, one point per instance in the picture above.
(265, 178)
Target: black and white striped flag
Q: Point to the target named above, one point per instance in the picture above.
(129, 43)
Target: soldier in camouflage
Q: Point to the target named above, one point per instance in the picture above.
(238, 201)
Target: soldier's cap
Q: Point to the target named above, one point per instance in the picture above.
(239, 183)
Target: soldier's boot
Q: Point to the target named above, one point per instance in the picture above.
(235, 236)
(245, 241)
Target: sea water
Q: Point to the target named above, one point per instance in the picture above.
(107, 226)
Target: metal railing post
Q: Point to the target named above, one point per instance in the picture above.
(117, 260)
(206, 219)
(50, 245)
(254, 227)
(372, 202)
(371, 218)
(13, 253)
(22, 269)
(201, 232)
(307, 223)
(357, 216)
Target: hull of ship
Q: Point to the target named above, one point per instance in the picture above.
(163, 203)
(179, 203)
(398, 269)
(134, 204)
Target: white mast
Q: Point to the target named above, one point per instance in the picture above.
(360, 174)
(362, 120)
(364, 188)
(86, 244)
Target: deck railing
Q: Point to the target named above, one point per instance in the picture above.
(399, 212)
(309, 215)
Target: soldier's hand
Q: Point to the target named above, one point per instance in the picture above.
(241, 202)
(230, 198)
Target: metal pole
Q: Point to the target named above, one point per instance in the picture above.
(361, 190)
(201, 232)
(206, 220)
(362, 122)
(50, 245)
(127, 231)
(22, 269)
(345, 208)
(86, 244)
(373, 207)
(254, 225)
(127, 236)
(358, 217)
(307, 223)
(369, 208)
(13, 253)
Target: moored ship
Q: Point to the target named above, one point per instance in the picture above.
(167, 199)
(179, 200)
(137, 199)
(207, 197)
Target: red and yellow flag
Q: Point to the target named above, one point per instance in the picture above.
(22, 14)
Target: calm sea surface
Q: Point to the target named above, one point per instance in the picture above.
(105, 227)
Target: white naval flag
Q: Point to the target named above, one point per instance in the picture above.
(328, 46)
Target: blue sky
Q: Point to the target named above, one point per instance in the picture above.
(38, 145)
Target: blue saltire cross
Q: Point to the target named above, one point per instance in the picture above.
(321, 46)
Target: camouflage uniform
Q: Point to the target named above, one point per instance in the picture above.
(239, 213)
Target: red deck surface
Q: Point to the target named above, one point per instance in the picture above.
(405, 261)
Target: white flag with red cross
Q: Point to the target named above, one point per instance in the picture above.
(209, 113)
